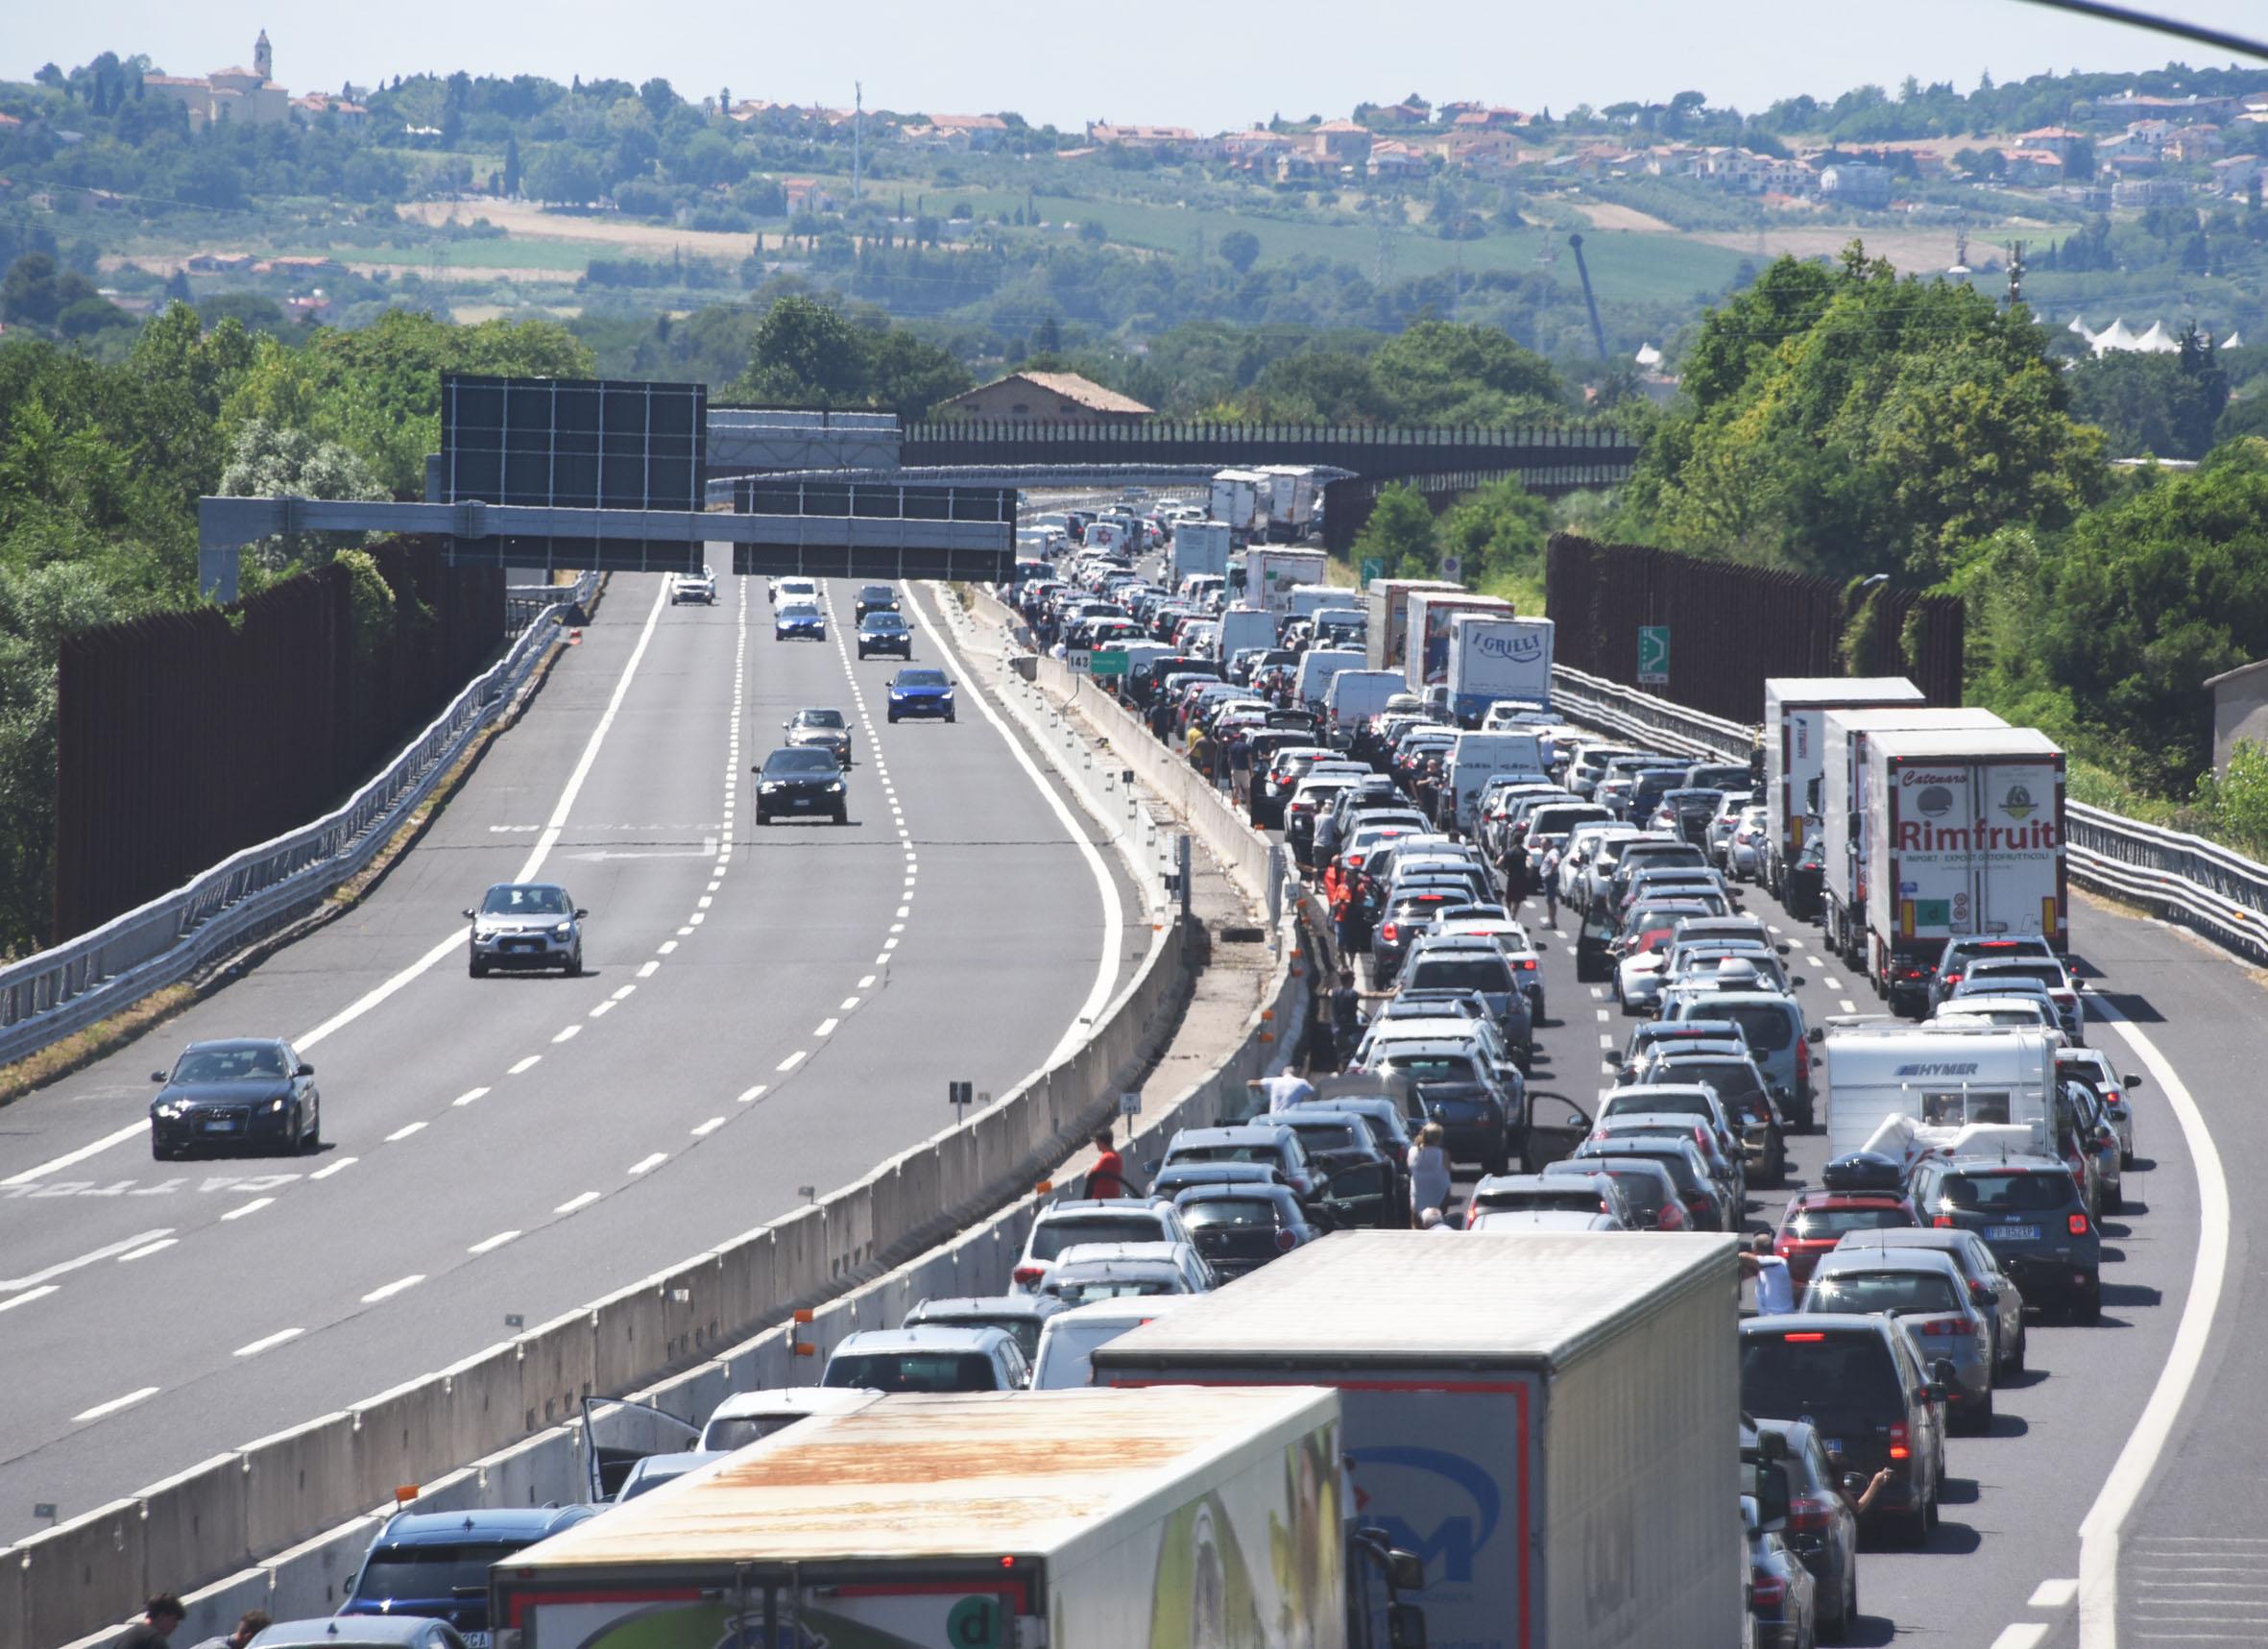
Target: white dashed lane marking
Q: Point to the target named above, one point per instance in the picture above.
(254, 1205)
(270, 1342)
(526, 1064)
(574, 1202)
(390, 1290)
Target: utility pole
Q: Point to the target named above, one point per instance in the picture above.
(857, 138)
(2016, 272)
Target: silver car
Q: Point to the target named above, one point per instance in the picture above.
(1989, 1286)
(527, 925)
(698, 586)
(1926, 1293)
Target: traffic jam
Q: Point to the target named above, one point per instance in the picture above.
(1457, 1297)
(1401, 742)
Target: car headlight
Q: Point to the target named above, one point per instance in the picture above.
(770, 787)
(277, 1104)
(835, 786)
(169, 1108)
(563, 931)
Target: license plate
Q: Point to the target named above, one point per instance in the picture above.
(221, 1124)
(803, 801)
(475, 1639)
(2013, 1233)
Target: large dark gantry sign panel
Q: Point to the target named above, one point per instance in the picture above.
(575, 444)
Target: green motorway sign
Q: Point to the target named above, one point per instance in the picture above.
(1106, 663)
(1653, 654)
(1373, 567)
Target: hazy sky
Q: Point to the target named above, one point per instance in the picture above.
(1170, 61)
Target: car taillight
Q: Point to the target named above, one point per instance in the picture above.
(1913, 973)
(1810, 1513)
(1030, 1274)
(1670, 1219)
(1976, 1291)
(1286, 1242)
(1897, 1442)
(1807, 1339)
(1943, 1325)
(1697, 1206)
(1526, 964)
(1943, 1222)
(2079, 1224)
(1768, 1590)
(1390, 934)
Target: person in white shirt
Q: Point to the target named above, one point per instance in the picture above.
(1288, 1088)
(1775, 1290)
(1429, 1175)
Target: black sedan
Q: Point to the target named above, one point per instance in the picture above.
(801, 782)
(874, 599)
(233, 1096)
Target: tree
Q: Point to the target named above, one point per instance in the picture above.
(806, 352)
(1853, 422)
(1400, 532)
(1497, 530)
(272, 462)
(658, 98)
(28, 293)
(1240, 249)
(2162, 406)
(511, 166)
(563, 174)
(1453, 372)
(2114, 624)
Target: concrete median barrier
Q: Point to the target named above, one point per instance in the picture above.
(298, 1480)
(799, 1244)
(849, 1220)
(12, 1616)
(692, 1320)
(555, 1370)
(314, 1577)
(626, 1339)
(484, 1400)
(195, 1524)
(402, 1437)
(748, 1280)
(80, 1571)
(545, 1469)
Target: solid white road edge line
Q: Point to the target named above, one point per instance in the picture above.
(1114, 916)
(2099, 1531)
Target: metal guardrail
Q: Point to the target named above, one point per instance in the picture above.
(49, 996)
(1630, 713)
(2212, 888)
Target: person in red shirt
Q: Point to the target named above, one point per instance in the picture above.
(1107, 1178)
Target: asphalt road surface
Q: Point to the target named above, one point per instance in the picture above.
(764, 1011)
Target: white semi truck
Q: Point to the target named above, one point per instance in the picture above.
(1091, 1518)
(1965, 836)
(1838, 803)
(1551, 1420)
(1795, 709)
(1492, 658)
(1294, 491)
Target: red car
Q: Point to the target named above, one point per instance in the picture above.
(1817, 1219)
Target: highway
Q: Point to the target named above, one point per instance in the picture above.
(764, 1011)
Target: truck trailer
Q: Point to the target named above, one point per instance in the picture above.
(1294, 491)
(1388, 641)
(1794, 710)
(1425, 660)
(1837, 801)
(1270, 575)
(1090, 1518)
(1963, 834)
(1550, 1419)
(1492, 658)
(1241, 497)
(1199, 546)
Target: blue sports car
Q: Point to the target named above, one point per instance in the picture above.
(799, 618)
(921, 692)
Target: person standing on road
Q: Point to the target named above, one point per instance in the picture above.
(1286, 1089)
(1240, 764)
(1775, 1290)
(1346, 1014)
(1200, 753)
(154, 1630)
(1429, 1175)
(1550, 885)
(1107, 1180)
